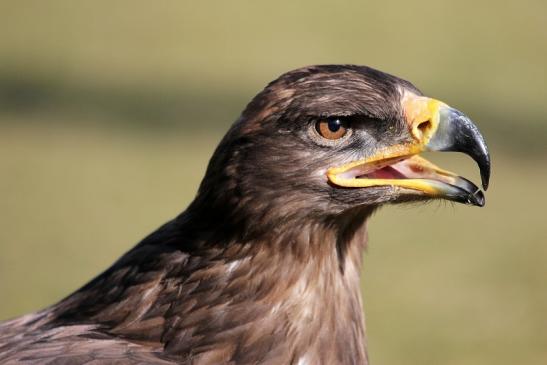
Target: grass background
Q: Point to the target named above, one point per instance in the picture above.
(109, 112)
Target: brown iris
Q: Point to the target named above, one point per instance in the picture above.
(332, 128)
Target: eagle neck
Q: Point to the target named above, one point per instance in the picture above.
(300, 285)
(290, 297)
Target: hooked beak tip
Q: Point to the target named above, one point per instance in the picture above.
(456, 132)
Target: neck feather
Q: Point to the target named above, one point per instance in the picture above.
(293, 297)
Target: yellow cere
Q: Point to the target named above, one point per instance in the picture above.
(422, 114)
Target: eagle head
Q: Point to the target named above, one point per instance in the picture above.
(322, 140)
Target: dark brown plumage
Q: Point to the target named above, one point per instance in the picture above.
(264, 265)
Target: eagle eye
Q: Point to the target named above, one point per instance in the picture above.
(332, 128)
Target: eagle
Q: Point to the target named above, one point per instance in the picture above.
(263, 267)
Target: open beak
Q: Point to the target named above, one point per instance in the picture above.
(434, 126)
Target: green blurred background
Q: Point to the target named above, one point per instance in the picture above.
(109, 111)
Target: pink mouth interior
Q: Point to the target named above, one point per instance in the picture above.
(387, 172)
(389, 169)
(402, 168)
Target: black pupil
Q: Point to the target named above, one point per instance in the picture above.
(334, 125)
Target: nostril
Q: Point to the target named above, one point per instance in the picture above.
(424, 126)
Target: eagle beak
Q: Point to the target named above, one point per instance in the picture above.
(434, 126)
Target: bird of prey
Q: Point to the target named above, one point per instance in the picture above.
(263, 266)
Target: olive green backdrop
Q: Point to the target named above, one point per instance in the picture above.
(109, 111)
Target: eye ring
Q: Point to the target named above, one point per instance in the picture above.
(332, 128)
